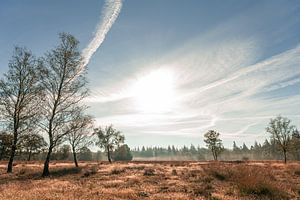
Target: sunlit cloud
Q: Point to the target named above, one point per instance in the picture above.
(214, 81)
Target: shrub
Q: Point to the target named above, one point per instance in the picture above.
(66, 171)
(205, 191)
(22, 171)
(245, 158)
(149, 172)
(219, 172)
(91, 171)
(174, 172)
(256, 182)
(117, 170)
(297, 172)
(143, 194)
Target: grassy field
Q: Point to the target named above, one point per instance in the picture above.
(152, 180)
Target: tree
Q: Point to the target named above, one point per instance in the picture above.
(64, 85)
(244, 148)
(64, 152)
(122, 153)
(19, 93)
(281, 132)
(235, 148)
(85, 154)
(296, 144)
(5, 144)
(78, 135)
(213, 143)
(32, 143)
(108, 139)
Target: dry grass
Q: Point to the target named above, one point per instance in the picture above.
(152, 180)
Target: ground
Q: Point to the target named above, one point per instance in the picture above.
(152, 180)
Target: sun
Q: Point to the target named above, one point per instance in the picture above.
(154, 92)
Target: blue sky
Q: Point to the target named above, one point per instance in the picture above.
(168, 71)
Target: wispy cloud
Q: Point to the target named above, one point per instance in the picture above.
(109, 14)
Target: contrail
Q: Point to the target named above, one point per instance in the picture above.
(109, 15)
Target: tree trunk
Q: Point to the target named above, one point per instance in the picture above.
(284, 153)
(108, 155)
(11, 159)
(46, 164)
(12, 155)
(29, 155)
(1, 153)
(214, 154)
(75, 157)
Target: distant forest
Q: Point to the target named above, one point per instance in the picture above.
(268, 150)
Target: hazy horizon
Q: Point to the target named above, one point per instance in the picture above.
(165, 72)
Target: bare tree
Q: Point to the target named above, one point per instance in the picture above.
(63, 81)
(19, 93)
(79, 133)
(108, 139)
(281, 132)
(214, 143)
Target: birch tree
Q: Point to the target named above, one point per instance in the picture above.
(19, 96)
(79, 135)
(64, 84)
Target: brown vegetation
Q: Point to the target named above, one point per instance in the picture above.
(153, 180)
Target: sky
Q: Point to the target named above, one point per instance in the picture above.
(165, 72)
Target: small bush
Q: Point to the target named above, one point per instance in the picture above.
(297, 172)
(256, 182)
(91, 171)
(143, 194)
(174, 172)
(245, 158)
(219, 172)
(66, 171)
(205, 191)
(22, 171)
(117, 171)
(149, 172)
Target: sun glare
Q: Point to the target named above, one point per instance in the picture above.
(155, 92)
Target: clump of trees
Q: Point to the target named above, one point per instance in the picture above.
(122, 153)
(109, 139)
(43, 95)
(32, 144)
(6, 140)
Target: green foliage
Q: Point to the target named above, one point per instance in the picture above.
(31, 144)
(85, 154)
(108, 139)
(214, 143)
(5, 144)
(122, 153)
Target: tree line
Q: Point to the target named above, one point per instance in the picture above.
(284, 142)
